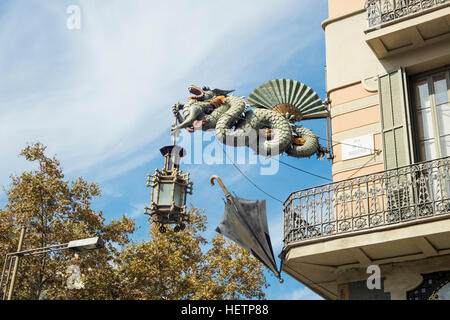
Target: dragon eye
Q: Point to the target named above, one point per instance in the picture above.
(205, 88)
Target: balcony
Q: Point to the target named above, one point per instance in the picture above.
(391, 216)
(387, 198)
(397, 26)
(382, 12)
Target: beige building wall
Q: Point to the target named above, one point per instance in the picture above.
(351, 65)
(402, 254)
(356, 57)
(338, 8)
(353, 68)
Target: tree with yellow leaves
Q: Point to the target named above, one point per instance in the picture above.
(177, 265)
(181, 265)
(54, 211)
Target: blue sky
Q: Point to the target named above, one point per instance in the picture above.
(100, 97)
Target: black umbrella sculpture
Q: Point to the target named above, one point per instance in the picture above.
(245, 222)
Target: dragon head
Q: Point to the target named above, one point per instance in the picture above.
(205, 93)
(201, 102)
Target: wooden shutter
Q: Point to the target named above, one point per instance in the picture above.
(395, 119)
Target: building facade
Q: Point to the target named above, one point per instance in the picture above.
(381, 230)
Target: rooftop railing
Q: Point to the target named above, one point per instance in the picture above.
(380, 12)
(391, 197)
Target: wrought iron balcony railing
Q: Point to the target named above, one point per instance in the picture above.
(386, 198)
(380, 12)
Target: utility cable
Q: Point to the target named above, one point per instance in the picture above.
(248, 179)
(337, 142)
(302, 170)
(363, 166)
(280, 161)
(377, 151)
(352, 145)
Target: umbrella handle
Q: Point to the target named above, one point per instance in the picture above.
(214, 177)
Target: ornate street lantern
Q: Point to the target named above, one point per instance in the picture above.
(169, 190)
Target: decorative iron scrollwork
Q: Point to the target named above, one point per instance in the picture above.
(384, 11)
(390, 197)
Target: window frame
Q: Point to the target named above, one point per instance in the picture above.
(414, 110)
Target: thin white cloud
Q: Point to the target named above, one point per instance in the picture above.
(104, 92)
(302, 294)
(112, 191)
(121, 166)
(136, 210)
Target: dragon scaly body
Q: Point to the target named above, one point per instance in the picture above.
(265, 131)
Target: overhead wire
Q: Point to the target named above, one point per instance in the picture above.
(248, 179)
(337, 142)
(352, 145)
(302, 170)
(376, 151)
(325, 139)
(266, 193)
(363, 166)
(280, 161)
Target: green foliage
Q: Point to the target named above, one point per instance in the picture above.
(174, 266)
(168, 266)
(55, 211)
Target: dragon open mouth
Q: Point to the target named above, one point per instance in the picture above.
(196, 91)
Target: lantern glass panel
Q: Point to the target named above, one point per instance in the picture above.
(165, 193)
(179, 195)
(153, 197)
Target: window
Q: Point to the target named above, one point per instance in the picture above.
(435, 286)
(431, 99)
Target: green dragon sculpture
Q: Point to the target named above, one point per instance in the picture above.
(268, 128)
